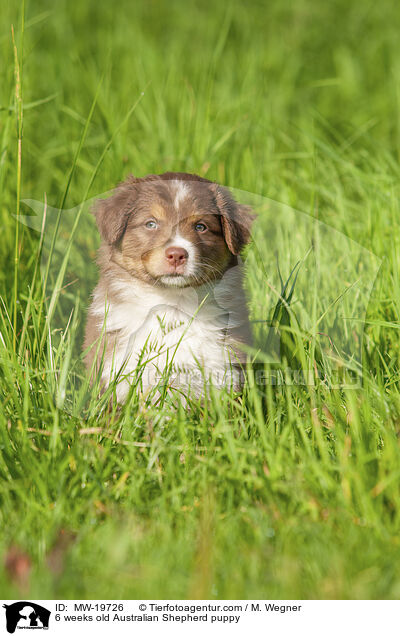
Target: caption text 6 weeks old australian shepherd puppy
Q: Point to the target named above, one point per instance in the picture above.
(170, 289)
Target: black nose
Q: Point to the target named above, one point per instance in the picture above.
(176, 255)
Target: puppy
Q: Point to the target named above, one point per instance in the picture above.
(170, 300)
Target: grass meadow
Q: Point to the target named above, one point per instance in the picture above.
(291, 490)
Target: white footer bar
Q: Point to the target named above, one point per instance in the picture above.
(150, 617)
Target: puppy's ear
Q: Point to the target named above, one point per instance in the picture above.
(112, 214)
(236, 219)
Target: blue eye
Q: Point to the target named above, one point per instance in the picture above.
(200, 227)
(151, 225)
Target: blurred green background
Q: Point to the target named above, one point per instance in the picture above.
(291, 491)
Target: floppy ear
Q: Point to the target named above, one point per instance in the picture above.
(236, 219)
(112, 214)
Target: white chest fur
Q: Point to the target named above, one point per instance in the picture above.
(185, 330)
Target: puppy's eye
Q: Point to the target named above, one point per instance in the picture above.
(200, 227)
(151, 225)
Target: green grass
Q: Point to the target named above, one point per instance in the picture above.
(291, 491)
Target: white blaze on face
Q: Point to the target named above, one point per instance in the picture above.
(177, 240)
(181, 192)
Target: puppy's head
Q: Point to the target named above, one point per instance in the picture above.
(174, 229)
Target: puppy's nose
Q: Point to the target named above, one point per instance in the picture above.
(176, 255)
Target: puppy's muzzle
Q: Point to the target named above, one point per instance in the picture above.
(176, 258)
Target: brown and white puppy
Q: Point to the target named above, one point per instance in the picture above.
(170, 289)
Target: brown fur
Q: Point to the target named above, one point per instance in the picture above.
(121, 217)
(130, 249)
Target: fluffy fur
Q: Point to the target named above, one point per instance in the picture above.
(170, 289)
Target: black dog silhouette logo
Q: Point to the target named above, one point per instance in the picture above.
(26, 615)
